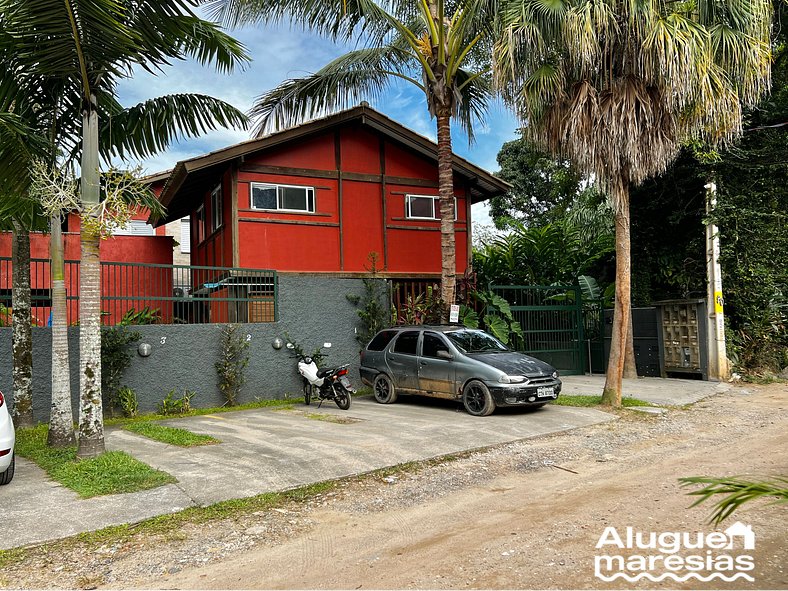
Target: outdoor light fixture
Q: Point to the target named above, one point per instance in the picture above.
(144, 349)
(277, 343)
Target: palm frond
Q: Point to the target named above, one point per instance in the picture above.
(20, 209)
(191, 36)
(150, 127)
(735, 492)
(18, 144)
(325, 17)
(473, 94)
(355, 76)
(74, 37)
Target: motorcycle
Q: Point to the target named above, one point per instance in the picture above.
(327, 383)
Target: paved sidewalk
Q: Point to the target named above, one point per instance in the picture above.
(654, 390)
(267, 450)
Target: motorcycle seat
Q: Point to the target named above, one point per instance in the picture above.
(321, 373)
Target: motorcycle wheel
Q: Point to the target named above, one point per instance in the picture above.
(342, 398)
(308, 393)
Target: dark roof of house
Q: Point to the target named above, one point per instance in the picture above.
(196, 173)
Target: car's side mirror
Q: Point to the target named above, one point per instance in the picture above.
(444, 354)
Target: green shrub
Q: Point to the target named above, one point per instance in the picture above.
(127, 401)
(116, 356)
(233, 360)
(172, 404)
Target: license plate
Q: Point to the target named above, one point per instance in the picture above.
(545, 391)
(346, 383)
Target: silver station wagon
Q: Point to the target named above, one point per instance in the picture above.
(456, 363)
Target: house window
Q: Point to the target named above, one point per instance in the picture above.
(199, 215)
(425, 207)
(283, 197)
(186, 236)
(216, 208)
(135, 228)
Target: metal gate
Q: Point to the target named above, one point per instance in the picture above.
(552, 320)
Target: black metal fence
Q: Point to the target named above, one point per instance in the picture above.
(140, 293)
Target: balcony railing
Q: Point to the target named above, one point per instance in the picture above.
(152, 293)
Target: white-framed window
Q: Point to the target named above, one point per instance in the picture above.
(135, 228)
(425, 207)
(283, 197)
(216, 208)
(186, 236)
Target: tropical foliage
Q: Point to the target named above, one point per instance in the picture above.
(556, 252)
(616, 87)
(62, 63)
(543, 188)
(752, 198)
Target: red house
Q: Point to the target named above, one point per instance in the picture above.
(320, 197)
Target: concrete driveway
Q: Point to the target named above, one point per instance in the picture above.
(268, 450)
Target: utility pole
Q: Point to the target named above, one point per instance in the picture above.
(718, 358)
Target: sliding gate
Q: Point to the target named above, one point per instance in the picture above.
(551, 317)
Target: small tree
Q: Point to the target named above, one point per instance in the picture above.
(233, 359)
(374, 308)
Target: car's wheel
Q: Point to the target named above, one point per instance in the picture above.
(308, 392)
(8, 475)
(343, 398)
(477, 399)
(383, 389)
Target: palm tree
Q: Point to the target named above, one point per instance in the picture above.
(616, 87)
(438, 50)
(19, 216)
(88, 46)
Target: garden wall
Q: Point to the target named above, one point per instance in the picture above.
(312, 310)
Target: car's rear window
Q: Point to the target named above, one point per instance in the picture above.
(381, 339)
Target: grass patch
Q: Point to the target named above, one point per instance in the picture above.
(339, 420)
(196, 412)
(574, 400)
(277, 404)
(170, 435)
(110, 473)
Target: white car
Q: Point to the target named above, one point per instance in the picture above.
(7, 439)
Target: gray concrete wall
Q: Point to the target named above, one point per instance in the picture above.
(312, 310)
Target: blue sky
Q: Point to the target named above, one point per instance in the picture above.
(279, 53)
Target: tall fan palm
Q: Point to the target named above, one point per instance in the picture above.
(435, 45)
(88, 45)
(616, 86)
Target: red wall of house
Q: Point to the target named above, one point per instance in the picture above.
(344, 229)
(116, 281)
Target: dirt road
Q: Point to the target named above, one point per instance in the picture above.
(526, 515)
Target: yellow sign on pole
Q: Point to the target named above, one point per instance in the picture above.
(718, 302)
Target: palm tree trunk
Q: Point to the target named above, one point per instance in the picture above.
(630, 364)
(22, 320)
(91, 420)
(611, 395)
(446, 192)
(61, 418)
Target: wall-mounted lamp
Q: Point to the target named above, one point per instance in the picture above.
(144, 350)
(277, 343)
